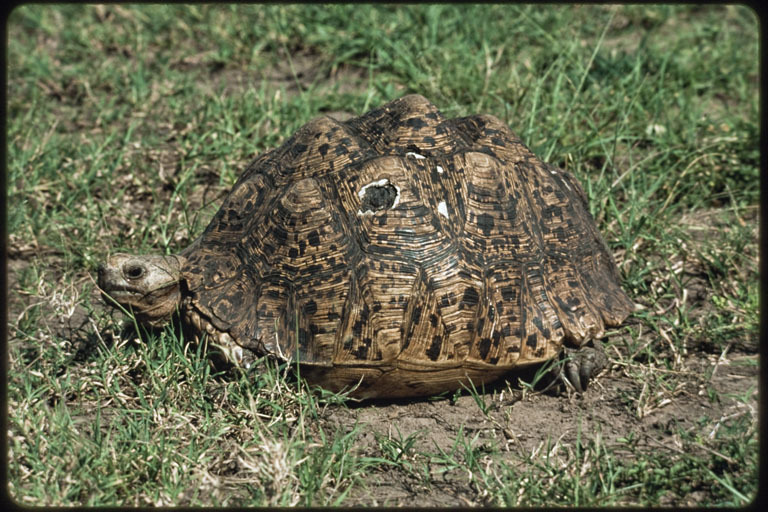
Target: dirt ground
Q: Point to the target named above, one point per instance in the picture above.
(529, 426)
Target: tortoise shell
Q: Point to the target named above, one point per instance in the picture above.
(404, 253)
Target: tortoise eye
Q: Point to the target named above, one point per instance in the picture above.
(133, 271)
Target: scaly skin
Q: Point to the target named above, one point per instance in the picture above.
(146, 285)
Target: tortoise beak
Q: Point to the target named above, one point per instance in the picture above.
(103, 279)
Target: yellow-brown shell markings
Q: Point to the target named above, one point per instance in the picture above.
(406, 250)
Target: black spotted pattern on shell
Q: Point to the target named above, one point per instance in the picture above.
(405, 252)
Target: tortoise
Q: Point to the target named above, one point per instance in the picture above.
(396, 254)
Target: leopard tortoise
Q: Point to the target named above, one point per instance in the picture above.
(400, 252)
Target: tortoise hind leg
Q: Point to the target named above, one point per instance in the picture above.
(580, 365)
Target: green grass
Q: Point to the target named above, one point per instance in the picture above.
(126, 126)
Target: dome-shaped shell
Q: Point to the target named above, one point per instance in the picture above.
(406, 249)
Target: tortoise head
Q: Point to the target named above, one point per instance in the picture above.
(146, 285)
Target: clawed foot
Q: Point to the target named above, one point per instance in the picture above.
(580, 365)
(226, 353)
